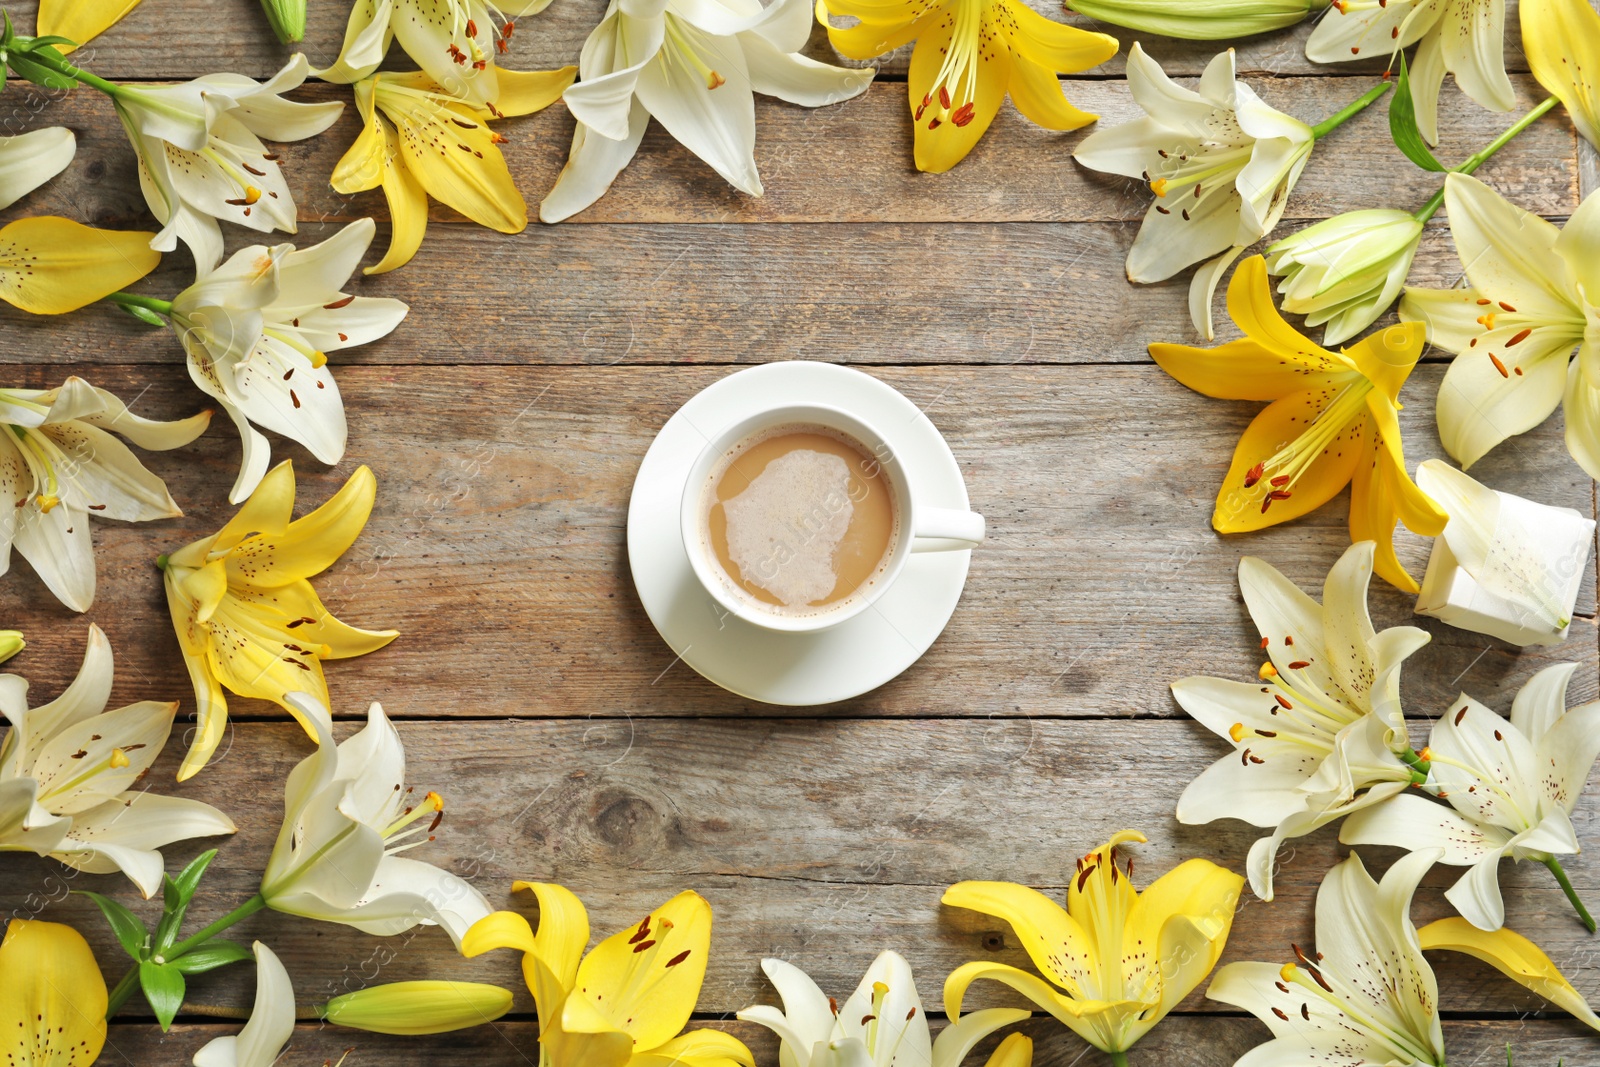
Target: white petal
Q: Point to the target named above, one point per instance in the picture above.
(805, 1007)
(1413, 822)
(1509, 254)
(313, 276)
(718, 125)
(154, 434)
(364, 319)
(1541, 702)
(1129, 149)
(799, 79)
(1451, 315)
(1165, 100)
(1475, 736)
(901, 1024)
(960, 1037)
(1427, 78)
(1567, 751)
(1292, 622)
(278, 389)
(1473, 38)
(138, 730)
(1478, 407)
(1234, 788)
(1370, 31)
(30, 159)
(84, 698)
(603, 101)
(57, 544)
(271, 1022)
(366, 39)
(1168, 242)
(372, 764)
(592, 165)
(103, 473)
(1203, 290)
(1476, 894)
(1580, 404)
(1579, 246)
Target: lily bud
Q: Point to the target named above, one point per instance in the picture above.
(1347, 270)
(288, 18)
(11, 643)
(411, 1008)
(1504, 566)
(1214, 20)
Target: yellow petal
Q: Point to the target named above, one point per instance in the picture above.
(1239, 508)
(583, 1036)
(1244, 370)
(290, 606)
(1389, 356)
(650, 992)
(267, 511)
(211, 703)
(310, 544)
(248, 651)
(1015, 1051)
(1513, 956)
(362, 165)
(80, 20)
(1053, 939)
(697, 1048)
(563, 928)
(50, 265)
(870, 37)
(1382, 494)
(499, 929)
(939, 143)
(1251, 308)
(1086, 1018)
(1037, 93)
(408, 216)
(457, 164)
(1561, 39)
(1064, 49)
(205, 585)
(879, 12)
(53, 999)
(1198, 889)
(522, 92)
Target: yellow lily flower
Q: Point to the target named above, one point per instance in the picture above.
(623, 1004)
(53, 999)
(418, 140)
(1332, 423)
(1117, 960)
(1512, 955)
(246, 617)
(50, 265)
(80, 20)
(1561, 39)
(969, 55)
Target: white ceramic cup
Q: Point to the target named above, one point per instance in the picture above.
(922, 528)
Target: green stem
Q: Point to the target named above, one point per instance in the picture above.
(1479, 158)
(1119, 1058)
(119, 996)
(1572, 894)
(130, 981)
(1419, 766)
(243, 911)
(1349, 111)
(150, 303)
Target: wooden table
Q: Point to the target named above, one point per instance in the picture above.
(507, 417)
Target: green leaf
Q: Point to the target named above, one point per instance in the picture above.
(1403, 124)
(143, 314)
(54, 39)
(25, 66)
(163, 987)
(176, 894)
(130, 929)
(211, 955)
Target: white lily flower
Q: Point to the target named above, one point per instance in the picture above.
(453, 41)
(1220, 162)
(67, 775)
(1504, 566)
(1367, 995)
(1317, 737)
(1534, 298)
(30, 159)
(881, 1025)
(693, 65)
(271, 1022)
(201, 158)
(1345, 271)
(1510, 789)
(257, 329)
(1462, 37)
(347, 816)
(59, 465)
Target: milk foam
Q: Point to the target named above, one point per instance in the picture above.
(785, 527)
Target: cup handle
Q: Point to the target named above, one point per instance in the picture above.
(946, 530)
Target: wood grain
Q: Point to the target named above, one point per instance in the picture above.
(232, 35)
(819, 841)
(604, 296)
(1189, 1041)
(852, 163)
(497, 546)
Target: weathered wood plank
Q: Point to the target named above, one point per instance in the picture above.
(1180, 1039)
(497, 546)
(821, 841)
(232, 35)
(640, 295)
(852, 163)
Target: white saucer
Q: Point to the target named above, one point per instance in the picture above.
(849, 659)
